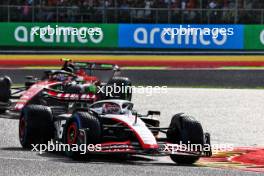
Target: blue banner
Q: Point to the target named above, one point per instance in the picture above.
(181, 36)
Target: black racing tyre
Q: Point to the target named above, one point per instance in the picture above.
(5, 89)
(125, 84)
(35, 126)
(81, 120)
(185, 130)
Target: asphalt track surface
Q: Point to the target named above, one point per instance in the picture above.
(231, 116)
(180, 78)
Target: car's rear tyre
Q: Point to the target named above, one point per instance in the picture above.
(5, 92)
(125, 87)
(81, 120)
(185, 130)
(35, 126)
(5, 89)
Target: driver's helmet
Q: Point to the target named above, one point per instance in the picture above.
(69, 68)
(111, 108)
(59, 77)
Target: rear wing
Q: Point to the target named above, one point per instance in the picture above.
(96, 66)
(89, 65)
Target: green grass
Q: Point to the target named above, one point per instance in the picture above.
(241, 68)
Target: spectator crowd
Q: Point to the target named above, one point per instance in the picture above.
(256, 4)
(220, 11)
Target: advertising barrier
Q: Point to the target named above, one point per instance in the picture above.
(192, 36)
(254, 37)
(133, 36)
(29, 34)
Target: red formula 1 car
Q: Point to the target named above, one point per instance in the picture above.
(113, 126)
(77, 81)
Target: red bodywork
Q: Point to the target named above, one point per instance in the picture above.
(32, 92)
(35, 89)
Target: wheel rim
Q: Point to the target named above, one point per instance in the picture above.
(72, 134)
(22, 127)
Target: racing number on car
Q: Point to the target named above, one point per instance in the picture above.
(60, 126)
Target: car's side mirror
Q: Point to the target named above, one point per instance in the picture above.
(153, 113)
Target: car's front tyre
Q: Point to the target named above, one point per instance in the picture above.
(72, 137)
(184, 129)
(35, 126)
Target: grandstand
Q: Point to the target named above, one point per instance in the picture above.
(134, 11)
